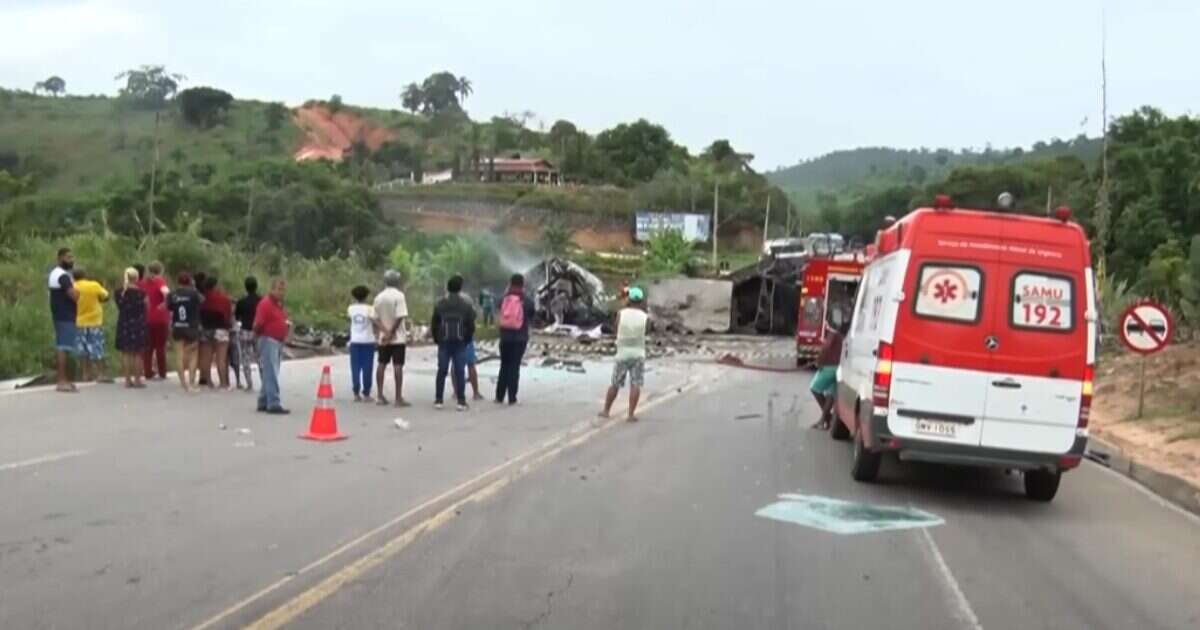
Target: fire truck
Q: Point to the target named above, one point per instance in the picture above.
(826, 288)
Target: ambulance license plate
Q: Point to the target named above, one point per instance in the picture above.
(933, 427)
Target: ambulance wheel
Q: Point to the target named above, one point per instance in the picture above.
(1041, 485)
(837, 428)
(866, 463)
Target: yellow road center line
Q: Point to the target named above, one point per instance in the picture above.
(520, 467)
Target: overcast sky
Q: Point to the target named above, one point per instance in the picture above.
(786, 79)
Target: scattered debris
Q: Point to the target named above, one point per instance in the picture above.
(748, 416)
(689, 305)
(402, 424)
(222, 427)
(244, 431)
(244, 444)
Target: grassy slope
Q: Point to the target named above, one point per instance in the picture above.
(89, 140)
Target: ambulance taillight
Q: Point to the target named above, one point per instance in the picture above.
(882, 392)
(1085, 398)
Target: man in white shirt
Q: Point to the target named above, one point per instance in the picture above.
(631, 353)
(391, 321)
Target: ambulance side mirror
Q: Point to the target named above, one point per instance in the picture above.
(898, 297)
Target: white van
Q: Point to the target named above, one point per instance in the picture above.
(972, 343)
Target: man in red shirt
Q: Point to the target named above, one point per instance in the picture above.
(158, 322)
(271, 330)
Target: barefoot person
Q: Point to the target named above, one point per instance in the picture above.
(63, 312)
(131, 327)
(631, 353)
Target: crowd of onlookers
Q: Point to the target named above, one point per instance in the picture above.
(218, 341)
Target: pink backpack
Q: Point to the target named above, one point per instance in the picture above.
(512, 312)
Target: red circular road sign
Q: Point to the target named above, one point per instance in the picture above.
(1146, 327)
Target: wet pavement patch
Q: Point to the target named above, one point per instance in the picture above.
(845, 517)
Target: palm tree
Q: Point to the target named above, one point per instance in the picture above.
(464, 88)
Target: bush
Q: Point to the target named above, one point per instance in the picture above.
(667, 252)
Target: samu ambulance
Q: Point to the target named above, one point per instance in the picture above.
(972, 343)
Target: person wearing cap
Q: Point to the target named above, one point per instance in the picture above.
(631, 353)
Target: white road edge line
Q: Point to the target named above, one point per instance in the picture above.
(44, 459)
(966, 615)
(305, 600)
(1195, 519)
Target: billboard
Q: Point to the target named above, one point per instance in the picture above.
(694, 227)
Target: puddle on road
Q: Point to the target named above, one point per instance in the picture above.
(845, 517)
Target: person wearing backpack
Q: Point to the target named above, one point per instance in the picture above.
(516, 311)
(453, 327)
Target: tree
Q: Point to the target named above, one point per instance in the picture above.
(465, 88)
(275, 114)
(634, 152)
(204, 107)
(335, 103)
(556, 238)
(917, 174)
(412, 98)
(149, 86)
(440, 92)
(54, 85)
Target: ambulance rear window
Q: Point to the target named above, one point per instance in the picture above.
(949, 292)
(1042, 301)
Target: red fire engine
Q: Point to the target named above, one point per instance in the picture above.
(827, 285)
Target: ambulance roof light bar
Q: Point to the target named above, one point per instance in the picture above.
(1062, 213)
(942, 202)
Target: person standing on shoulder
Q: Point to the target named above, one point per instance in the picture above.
(184, 306)
(824, 384)
(516, 311)
(271, 329)
(63, 312)
(453, 327)
(244, 312)
(158, 322)
(131, 327)
(362, 343)
(391, 321)
(631, 353)
(89, 324)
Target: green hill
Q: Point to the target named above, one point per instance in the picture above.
(880, 167)
(78, 143)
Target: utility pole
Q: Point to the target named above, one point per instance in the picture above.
(1103, 210)
(153, 175)
(767, 218)
(716, 220)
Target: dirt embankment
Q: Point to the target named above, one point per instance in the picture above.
(1167, 437)
(329, 135)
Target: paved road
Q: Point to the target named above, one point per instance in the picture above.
(139, 513)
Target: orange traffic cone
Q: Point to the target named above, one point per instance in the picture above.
(323, 426)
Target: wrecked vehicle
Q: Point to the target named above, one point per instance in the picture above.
(567, 294)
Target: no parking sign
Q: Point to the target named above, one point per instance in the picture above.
(1146, 327)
